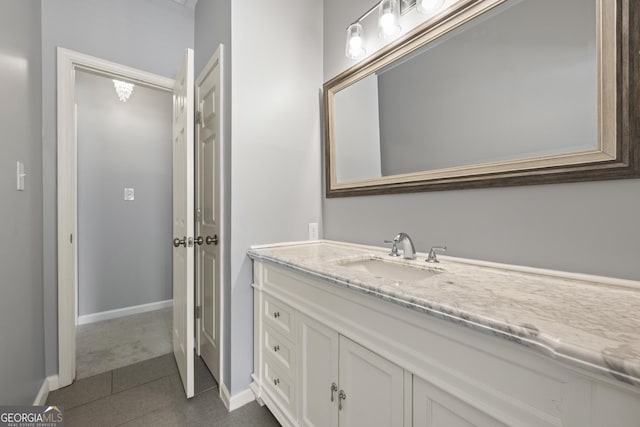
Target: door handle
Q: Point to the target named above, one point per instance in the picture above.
(177, 242)
(334, 388)
(198, 240)
(209, 240)
(341, 396)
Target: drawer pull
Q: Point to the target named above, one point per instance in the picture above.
(334, 387)
(276, 348)
(276, 381)
(276, 314)
(341, 396)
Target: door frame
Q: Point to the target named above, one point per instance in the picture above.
(68, 62)
(217, 59)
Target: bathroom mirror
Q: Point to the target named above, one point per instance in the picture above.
(490, 93)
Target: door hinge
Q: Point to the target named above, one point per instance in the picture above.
(198, 214)
(198, 117)
(70, 238)
(198, 312)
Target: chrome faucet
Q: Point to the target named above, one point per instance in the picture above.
(433, 251)
(408, 249)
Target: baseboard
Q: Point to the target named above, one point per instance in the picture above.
(224, 395)
(236, 401)
(45, 389)
(121, 312)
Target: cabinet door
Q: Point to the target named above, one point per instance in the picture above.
(433, 407)
(318, 371)
(373, 388)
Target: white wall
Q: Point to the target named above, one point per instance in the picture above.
(276, 149)
(21, 322)
(584, 227)
(147, 34)
(124, 250)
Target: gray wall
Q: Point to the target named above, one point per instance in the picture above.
(583, 227)
(212, 27)
(276, 150)
(531, 92)
(147, 34)
(21, 322)
(124, 255)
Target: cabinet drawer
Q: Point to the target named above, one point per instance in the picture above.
(281, 386)
(280, 350)
(280, 316)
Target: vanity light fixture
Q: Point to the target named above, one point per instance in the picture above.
(389, 12)
(123, 89)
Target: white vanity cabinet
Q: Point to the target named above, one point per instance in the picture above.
(372, 388)
(319, 355)
(432, 407)
(399, 367)
(344, 384)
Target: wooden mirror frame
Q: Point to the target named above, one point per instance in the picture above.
(618, 152)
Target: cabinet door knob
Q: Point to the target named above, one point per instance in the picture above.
(276, 381)
(276, 314)
(276, 348)
(341, 396)
(334, 387)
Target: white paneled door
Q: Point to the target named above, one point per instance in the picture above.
(208, 138)
(183, 223)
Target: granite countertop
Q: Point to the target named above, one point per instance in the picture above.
(588, 321)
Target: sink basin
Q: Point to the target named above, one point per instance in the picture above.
(390, 270)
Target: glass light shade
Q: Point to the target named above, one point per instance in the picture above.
(355, 41)
(389, 18)
(123, 89)
(429, 7)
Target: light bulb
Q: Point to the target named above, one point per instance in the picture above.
(355, 41)
(386, 22)
(428, 7)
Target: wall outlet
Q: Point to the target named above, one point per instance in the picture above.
(313, 231)
(129, 194)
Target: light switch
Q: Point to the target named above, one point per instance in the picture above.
(20, 176)
(128, 194)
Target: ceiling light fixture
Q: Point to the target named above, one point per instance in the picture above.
(123, 89)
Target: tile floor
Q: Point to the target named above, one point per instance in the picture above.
(150, 393)
(110, 344)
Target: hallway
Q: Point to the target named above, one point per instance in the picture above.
(114, 343)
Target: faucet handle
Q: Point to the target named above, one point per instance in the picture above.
(433, 253)
(394, 247)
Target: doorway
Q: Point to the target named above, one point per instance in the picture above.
(124, 295)
(69, 63)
